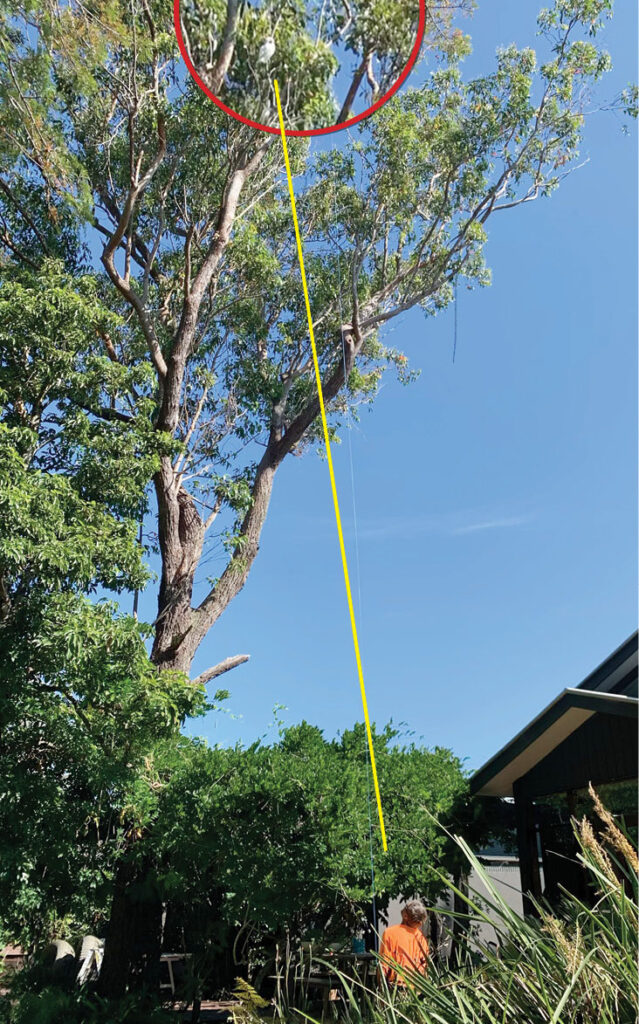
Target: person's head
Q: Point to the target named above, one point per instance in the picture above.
(414, 912)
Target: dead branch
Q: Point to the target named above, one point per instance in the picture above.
(220, 669)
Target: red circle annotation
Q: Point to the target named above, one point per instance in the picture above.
(309, 131)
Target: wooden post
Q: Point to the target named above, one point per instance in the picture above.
(528, 853)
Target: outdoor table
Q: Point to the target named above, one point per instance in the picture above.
(360, 962)
(169, 959)
(353, 965)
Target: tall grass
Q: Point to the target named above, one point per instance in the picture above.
(575, 966)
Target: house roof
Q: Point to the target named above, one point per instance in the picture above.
(565, 714)
(619, 670)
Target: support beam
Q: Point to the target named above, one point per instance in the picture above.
(527, 845)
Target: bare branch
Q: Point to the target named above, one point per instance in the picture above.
(223, 63)
(189, 434)
(5, 238)
(108, 255)
(185, 335)
(370, 75)
(353, 90)
(220, 669)
(214, 513)
(109, 346)
(353, 341)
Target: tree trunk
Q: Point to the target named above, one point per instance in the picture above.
(181, 536)
(117, 948)
(134, 936)
(237, 571)
(134, 940)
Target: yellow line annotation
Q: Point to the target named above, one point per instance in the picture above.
(329, 459)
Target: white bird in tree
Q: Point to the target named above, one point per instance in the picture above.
(267, 50)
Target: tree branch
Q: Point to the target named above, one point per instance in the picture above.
(354, 87)
(110, 415)
(185, 335)
(353, 342)
(220, 669)
(9, 194)
(140, 251)
(4, 237)
(108, 255)
(223, 63)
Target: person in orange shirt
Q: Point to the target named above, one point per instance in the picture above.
(404, 945)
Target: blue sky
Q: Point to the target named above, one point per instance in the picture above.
(495, 497)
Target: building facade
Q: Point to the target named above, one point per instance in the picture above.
(587, 735)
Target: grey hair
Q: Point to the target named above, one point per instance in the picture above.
(416, 911)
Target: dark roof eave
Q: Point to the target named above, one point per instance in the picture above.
(571, 698)
(607, 668)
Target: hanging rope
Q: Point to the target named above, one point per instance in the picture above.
(359, 583)
(455, 325)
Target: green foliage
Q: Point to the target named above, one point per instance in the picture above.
(276, 838)
(55, 379)
(406, 209)
(80, 702)
(250, 1002)
(81, 705)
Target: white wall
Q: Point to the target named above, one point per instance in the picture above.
(505, 877)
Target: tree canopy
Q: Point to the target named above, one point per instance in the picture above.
(103, 131)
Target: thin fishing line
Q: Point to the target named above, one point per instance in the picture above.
(359, 579)
(455, 325)
(350, 453)
(372, 855)
(329, 461)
